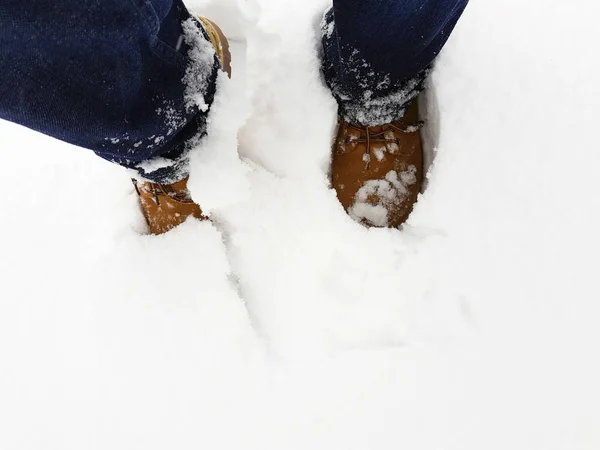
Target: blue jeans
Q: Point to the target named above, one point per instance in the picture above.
(377, 53)
(113, 76)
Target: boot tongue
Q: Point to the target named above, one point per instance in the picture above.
(377, 129)
(180, 185)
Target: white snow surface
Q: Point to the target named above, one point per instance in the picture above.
(283, 324)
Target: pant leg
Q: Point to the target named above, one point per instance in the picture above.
(377, 53)
(108, 75)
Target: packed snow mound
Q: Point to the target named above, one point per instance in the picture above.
(283, 324)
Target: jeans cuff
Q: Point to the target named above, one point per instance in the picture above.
(374, 108)
(365, 95)
(171, 164)
(162, 170)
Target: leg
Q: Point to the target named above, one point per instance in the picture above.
(107, 76)
(131, 80)
(377, 54)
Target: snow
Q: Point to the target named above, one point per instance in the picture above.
(199, 73)
(394, 186)
(153, 164)
(283, 324)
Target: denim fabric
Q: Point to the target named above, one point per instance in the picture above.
(377, 53)
(102, 74)
(108, 75)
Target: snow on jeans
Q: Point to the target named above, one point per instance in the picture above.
(377, 53)
(117, 76)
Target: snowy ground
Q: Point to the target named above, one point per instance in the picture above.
(285, 325)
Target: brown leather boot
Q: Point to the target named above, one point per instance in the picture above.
(166, 206)
(377, 171)
(219, 42)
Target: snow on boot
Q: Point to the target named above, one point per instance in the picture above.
(377, 171)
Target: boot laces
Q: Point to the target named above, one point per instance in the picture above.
(381, 137)
(162, 189)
